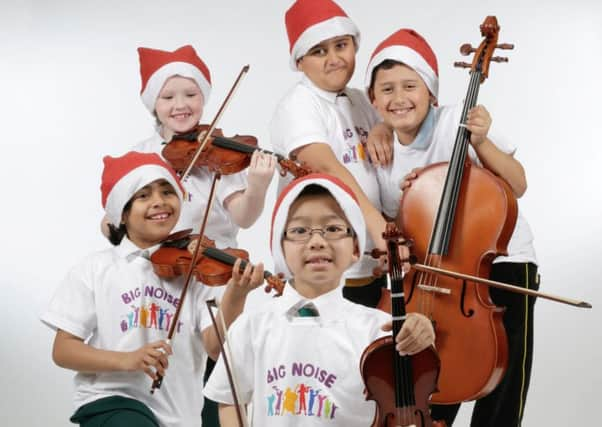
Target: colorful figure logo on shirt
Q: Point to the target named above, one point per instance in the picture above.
(355, 152)
(146, 309)
(307, 398)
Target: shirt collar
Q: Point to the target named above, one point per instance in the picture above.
(129, 251)
(325, 94)
(327, 304)
(425, 133)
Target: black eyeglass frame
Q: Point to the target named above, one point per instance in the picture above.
(349, 232)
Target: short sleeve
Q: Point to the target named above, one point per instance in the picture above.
(373, 115)
(72, 306)
(242, 362)
(152, 144)
(390, 193)
(207, 293)
(230, 184)
(298, 121)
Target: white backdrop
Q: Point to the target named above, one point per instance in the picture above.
(69, 84)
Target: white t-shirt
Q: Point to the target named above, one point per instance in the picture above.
(114, 301)
(301, 371)
(435, 143)
(220, 226)
(308, 114)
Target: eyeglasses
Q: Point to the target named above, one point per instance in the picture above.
(330, 232)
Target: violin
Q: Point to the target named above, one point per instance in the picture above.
(180, 151)
(221, 154)
(469, 226)
(213, 266)
(400, 385)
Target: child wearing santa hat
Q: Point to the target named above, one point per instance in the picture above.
(112, 313)
(326, 124)
(297, 361)
(175, 88)
(402, 82)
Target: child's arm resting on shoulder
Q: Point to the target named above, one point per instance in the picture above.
(233, 302)
(71, 352)
(380, 144)
(320, 158)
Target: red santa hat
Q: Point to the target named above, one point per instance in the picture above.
(341, 193)
(309, 22)
(156, 66)
(123, 176)
(411, 49)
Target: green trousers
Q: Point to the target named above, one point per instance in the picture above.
(114, 411)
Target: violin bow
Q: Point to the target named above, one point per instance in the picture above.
(157, 383)
(202, 139)
(494, 284)
(377, 253)
(224, 347)
(195, 255)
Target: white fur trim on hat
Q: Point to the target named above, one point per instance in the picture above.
(317, 33)
(130, 183)
(157, 81)
(341, 193)
(409, 57)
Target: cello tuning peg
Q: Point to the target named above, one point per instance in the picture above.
(499, 59)
(462, 64)
(375, 253)
(506, 46)
(467, 49)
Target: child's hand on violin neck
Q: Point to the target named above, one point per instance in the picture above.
(244, 281)
(151, 359)
(416, 334)
(261, 171)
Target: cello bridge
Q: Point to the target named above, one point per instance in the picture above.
(435, 289)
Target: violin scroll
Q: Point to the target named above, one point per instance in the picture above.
(290, 166)
(274, 282)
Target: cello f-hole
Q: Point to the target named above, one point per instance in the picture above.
(414, 279)
(462, 299)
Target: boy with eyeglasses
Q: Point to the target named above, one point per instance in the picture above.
(297, 361)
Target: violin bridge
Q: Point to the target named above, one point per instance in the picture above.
(435, 289)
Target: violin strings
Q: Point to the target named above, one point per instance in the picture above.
(403, 368)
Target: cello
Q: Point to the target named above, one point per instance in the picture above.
(470, 224)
